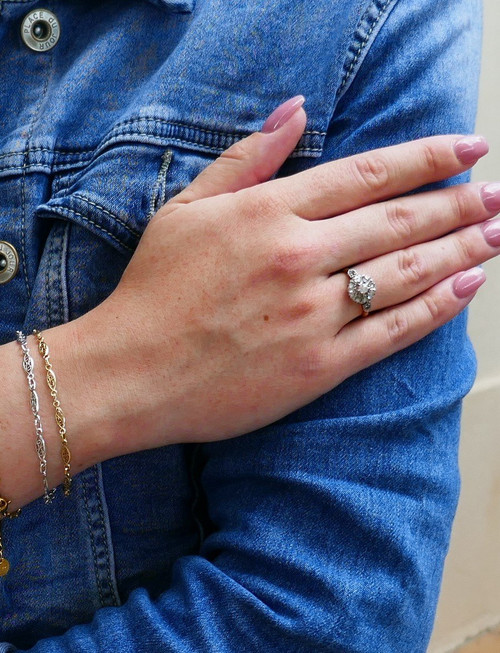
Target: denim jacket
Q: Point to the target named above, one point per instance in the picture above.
(327, 530)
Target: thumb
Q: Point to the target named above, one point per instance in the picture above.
(253, 159)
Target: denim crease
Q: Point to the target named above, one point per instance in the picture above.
(326, 531)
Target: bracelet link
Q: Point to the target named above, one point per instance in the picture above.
(40, 446)
(60, 419)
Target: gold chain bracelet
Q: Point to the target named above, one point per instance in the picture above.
(43, 348)
(4, 505)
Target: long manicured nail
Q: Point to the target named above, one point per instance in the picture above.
(471, 148)
(468, 282)
(490, 194)
(491, 232)
(282, 114)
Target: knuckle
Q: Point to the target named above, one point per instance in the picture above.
(401, 218)
(461, 205)
(239, 151)
(398, 327)
(431, 158)
(291, 260)
(372, 172)
(411, 266)
(464, 247)
(265, 203)
(434, 306)
(312, 362)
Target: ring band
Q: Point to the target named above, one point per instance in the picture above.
(361, 289)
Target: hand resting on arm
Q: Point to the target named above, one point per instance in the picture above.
(233, 311)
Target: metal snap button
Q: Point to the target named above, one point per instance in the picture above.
(40, 30)
(9, 262)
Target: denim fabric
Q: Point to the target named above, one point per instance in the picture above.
(327, 530)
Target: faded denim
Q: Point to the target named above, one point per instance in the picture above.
(326, 531)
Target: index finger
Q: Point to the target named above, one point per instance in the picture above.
(336, 187)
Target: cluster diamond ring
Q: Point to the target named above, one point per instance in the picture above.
(361, 289)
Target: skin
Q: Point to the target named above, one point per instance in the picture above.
(233, 311)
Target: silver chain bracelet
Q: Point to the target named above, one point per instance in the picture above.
(28, 366)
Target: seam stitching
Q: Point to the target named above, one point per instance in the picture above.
(92, 543)
(186, 142)
(101, 515)
(164, 121)
(62, 210)
(107, 212)
(364, 43)
(180, 141)
(46, 149)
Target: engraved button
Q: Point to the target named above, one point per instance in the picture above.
(40, 30)
(9, 262)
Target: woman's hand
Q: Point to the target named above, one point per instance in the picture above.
(234, 309)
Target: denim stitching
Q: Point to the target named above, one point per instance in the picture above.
(90, 150)
(42, 166)
(94, 552)
(46, 149)
(215, 150)
(181, 141)
(118, 131)
(364, 43)
(156, 139)
(164, 121)
(111, 215)
(101, 514)
(62, 210)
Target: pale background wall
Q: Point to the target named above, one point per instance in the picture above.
(470, 597)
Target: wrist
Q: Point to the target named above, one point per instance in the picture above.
(108, 386)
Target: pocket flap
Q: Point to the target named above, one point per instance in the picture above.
(114, 195)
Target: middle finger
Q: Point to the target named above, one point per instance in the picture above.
(388, 226)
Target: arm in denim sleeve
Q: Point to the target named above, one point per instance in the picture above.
(328, 530)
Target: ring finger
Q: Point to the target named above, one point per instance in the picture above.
(403, 274)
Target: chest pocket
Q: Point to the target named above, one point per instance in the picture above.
(96, 216)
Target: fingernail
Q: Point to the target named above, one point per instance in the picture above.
(491, 232)
(282, 114)
(471, 148)
(468, 282)
(490, 194)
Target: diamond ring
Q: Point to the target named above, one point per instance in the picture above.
(361, 289)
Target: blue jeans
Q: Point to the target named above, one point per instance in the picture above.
(327, 530)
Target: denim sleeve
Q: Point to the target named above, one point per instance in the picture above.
(327, 530)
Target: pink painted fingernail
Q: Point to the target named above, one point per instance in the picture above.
(468, 282)
(471, 148)
(491, 232)
(282, 114)
(490, 194)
